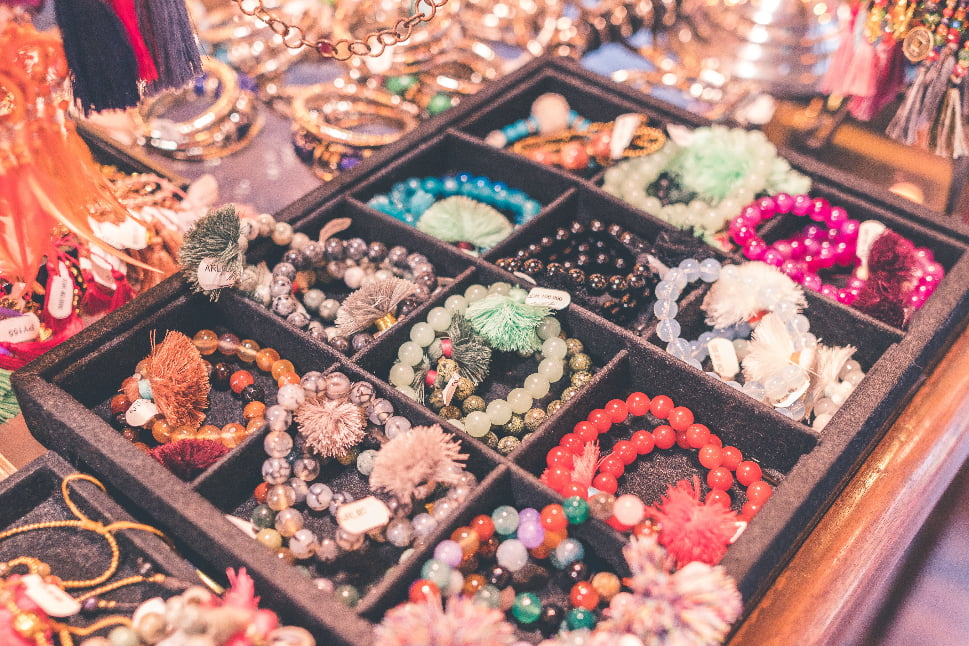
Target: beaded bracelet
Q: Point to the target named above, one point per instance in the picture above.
(575, 470)
(508, 537)
(550, 114)
(686, 185)
(587, 266)
(436, 205)
(905, 275)
(516, 414)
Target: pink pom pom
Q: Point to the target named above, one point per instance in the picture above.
(691, 530)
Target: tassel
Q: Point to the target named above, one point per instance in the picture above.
(462, 219)
(833, 81)
(169, 36)
(889, 77)
(96, 299)
(179, 380)
(935, 90)
(104, 72)
(122, 290)
(125, 9)
(507, 322)
(950, 136)
(215, 237)
(467, 348)
(860, 79)
(372, 302)
(903, 125)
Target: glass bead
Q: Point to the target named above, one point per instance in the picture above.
(512, 555)
(422, 334)
(424, 525)
(709, 270)
(519, 400)
(396, 425)
(629, 509)
(442, 509)
(549, 328)
(569, 551)
(339, 499)
(365, 462)
(536, 385)
(554, 348)
(579, 618)
(400, 533)
(288, 522)
(206, 342)
(361, 393)
(437, 572)
(531, 534)
(439, 319)
(527, 607)
(499, 412)
(337, 386)
(327, 550)
(348, 541)
(380, 411)
(456, 304)
(487, 596)
(410, 354)
(282, 233)
(262, 517)
(300, 488)
(449, 553)
(401, 374)
(475, 293)
(665, 309)
(505, 519)
(668, 329)
(551, 369)
(774, 387)
(601, 505)
(666, 290)
(347, 595)
(280, 496)
(477, 424)
(270, 538)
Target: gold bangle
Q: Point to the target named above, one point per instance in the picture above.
(331, 115)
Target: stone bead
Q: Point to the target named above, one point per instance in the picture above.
(337, 386)
(573, 346)
(365, 462)
(446, 368)
(580, 361)
(477, 424)
(396, 425)
(475, 293)
(276, 470)
(505, 519)
(291, 396)
(300, 488)
(534, 418)
(262, 517)
(401, 374)
(548, 328)
(607, 585)
(601, 505)
(519, 400)
(456, 304)
(527, 608)
(474, 403)
(491, 441)
(508, 444)
(536, 385)
(347, 595)
(288, 522)
(278, 418)
(554, 348)
(551, 369)
(347, 541)
(380, 411)
(422, 334)
(328, 309)
(581, 378)
(439, 319)
(569, 551)
(206, 341)
(410, 354)
(499, 411)
(463, 388)
(424, 525)
(400, 533)
(280, 496)
(306, 468)
(291, 636)
(512, 555)
(270, 538)
(361, 393)
(450, 412)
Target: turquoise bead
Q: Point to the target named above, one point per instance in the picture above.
(580, 618)
(527, 607)
(569, 551)
(432, 185)
(576, 510)
(505, 519)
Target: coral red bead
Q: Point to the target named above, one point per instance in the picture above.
(758, 492)
(643, 441)
(710, 456)
(731, 457)
(559, 457)
(717, 496)
(698, 435)
(260, 492)
(119, 404)
(618, 411)
(573, 443)
(664, 436)
(680, 418)
(715, 440)
(638, 404)
(583, 595)
(612, 465)
(600, 419)
(558, 477)
(625, 451)
(553, 518)
(483, 526)
(749, 510)
(586, 431)
(661, 406)
(575, 489)
(719, 478)
(239, 380)
(748, 472)
(681, 440)
(422, 590)
(605, 482)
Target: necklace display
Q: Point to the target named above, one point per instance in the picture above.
(605, 264)
(449, 356)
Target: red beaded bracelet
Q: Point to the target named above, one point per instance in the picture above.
(573, 465)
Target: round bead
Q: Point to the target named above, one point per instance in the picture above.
(527, 607)
(477, 424)
(576, 510)
(569, 551)
(629, 509)
(505, 519)
(748, 472)
(579, 618)
(499, 412)
(584, 595)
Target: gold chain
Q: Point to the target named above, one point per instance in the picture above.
(373, 44)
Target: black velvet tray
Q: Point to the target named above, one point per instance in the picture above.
(63, 392)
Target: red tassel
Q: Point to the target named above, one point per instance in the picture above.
(189, 458)
(96, 298)
(122, 290)
(125, 9)
(889, 78)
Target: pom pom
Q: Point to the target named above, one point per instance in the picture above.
(890, 263)
(830, 361)
(242, 590)
(506, 322)
(214, 239)
(692, 530)
(462, 219)
(416, 461)
(427, 623)
(770, 351)
(179, 380)
(755, 287)
(371, 302)
(187, 459)
(330, 428)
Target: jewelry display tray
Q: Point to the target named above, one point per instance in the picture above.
(65, 393)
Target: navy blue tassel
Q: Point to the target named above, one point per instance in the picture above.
(104, 72)
(171, 40)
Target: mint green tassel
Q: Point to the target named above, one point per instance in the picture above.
(462, 219)
(8, 400)
(214, 238)
(506, 322)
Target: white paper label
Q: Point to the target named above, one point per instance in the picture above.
(60, 296)
(623, 131)
(140, 411)
(724, 357)
(51, 599)
(127, 235)
(450, 387)
(554, 298)
(18, 329)
(243, 525)
(361, 516)
(213, 275)
(868, 232)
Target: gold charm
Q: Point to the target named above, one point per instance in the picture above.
(917, 44)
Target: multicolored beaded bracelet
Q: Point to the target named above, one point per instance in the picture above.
(574, 469)
(459, 339)
(460, 208)
(891, 277)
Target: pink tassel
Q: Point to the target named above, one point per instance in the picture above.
(889, 79)
(860, 79)
(833, 81)
(692, 530)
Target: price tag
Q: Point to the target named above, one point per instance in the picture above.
(450, 387)
(361, 516)
(140, 411)
(723, 356)
(243, 525)
(213, 275)
(60, 295)
(554, 298)
(18, 329)
(868, 232)
(51, 599)
(795, 395)
(623, 131)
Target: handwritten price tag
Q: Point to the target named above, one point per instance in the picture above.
(723, 356)
(60, 296)
(554, 298)
(363, 515)
(18, 329)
